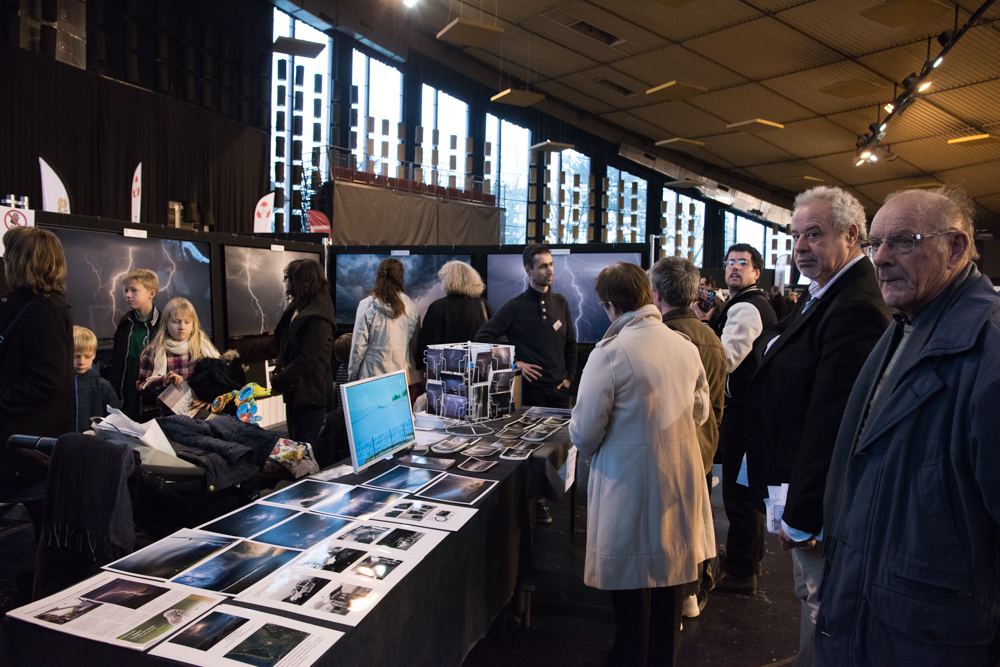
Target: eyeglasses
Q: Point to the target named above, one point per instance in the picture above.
(741, 262)
(604, 304)
(901, 243)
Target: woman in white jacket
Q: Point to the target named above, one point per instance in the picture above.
(384, 327)
(642, 396)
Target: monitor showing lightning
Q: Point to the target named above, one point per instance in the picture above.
(255, 288)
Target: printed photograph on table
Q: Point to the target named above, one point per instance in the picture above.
(502, 404)
(388, 538)
(403, 478)
(476, 465)
(479, 451)
(359, 503)
(249, 520)
(363, 533)
(306, 493)
(235, 570)
(172, 555)
(501, 381)
(378, 416)
(457, 489)
(376, 567)
(303, 531)
(255, 288)
(515, 454)
(454, 406)
(540, 412)
(453, 384)
(126, 593)
(325, 556)
(435, 393)
(235, 636)
(428, 515)
(179, 614)
(318, 594)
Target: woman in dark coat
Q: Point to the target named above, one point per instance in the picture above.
(458, 316)
(305, 337)
(36, 355)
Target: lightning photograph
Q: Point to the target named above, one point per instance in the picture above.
(255, 289)
(574, 279)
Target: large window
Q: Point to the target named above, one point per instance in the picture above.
(506, 170)
(379, 112)
(567, 190)
(682, 226)
(445, 149)
(744, 230)
(299, 119)
(626, 207)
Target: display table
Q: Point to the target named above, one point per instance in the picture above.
(433, 616)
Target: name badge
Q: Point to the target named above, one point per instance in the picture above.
(557, 325)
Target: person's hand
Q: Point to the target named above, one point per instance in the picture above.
(195, 403)
(172, 378)
(701, 314)
(531, 372)
(564, 384)
(788, 543)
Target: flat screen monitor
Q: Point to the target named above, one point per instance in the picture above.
(574, 279)
(356, 278)
(255, 288)
(96, 262)
(379, 418)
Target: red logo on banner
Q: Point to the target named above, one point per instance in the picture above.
(14, 219)
(263, 211)
(135, 187)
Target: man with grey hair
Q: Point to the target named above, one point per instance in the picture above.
(808, 364)
(912, 507)
(675, 286)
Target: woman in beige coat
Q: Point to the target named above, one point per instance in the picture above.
(642, 396)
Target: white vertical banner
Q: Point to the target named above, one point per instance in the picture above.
(54, 195)
(263, 214)
(136, 192)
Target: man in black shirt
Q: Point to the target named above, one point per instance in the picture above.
(539, 326)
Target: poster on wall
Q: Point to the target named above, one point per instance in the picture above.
(255, 288)
(574, 279)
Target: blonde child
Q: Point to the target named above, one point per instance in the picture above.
(174, 351)
(93, 393)
(135, 331)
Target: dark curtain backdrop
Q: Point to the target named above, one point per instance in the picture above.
(95, 130)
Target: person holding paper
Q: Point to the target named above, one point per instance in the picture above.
(809, 363)
(912, 505)
(642, 396)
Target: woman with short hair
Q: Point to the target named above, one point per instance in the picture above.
(384, 326)
(305, 336)
(456, 317)
(36, 354)
(641, 398)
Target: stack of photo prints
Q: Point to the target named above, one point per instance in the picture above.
(321, 550)
(470, 381)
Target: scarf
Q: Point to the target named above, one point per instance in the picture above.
(177, 348)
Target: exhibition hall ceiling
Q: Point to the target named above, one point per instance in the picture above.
(766, 59)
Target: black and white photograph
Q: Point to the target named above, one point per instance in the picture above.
(501, 381)
(505, 443)
(483, 366)
(479, 401)
(536, 412)
(501, 357)
(410, 511)
(304, 590)
(172, 555)
(267, 646)
(464, 440)
(376, 567)
(208, 631)
(303, 531)
(429, 515)
(67, 612)
(255, 293)
(125, 593)
(435, 392)
(454, 384)
(237, 569)
(343, 599)
(306, 493)
(434, 358)
(447, 447)
(538, 433)
(363, 533)
(359, 502)
(454, 406)
(476, 465)
(429, 462)
(556, 421)
(325, 556)
(457, 489)
(250, 520)
(515, 454)
(403, 478)
(502, 404)
(401, 539)
(455, 360)
(479, 451)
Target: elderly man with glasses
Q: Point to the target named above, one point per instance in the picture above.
(912, 501)
(808, 365)
(744, 317)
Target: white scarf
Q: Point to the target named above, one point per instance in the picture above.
(178, 347)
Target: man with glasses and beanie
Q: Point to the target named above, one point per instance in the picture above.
(745, 316)
(912, 506)
(808, 364)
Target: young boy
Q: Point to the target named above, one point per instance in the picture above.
(93, 393)
(134, 332)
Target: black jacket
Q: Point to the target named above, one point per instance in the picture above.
(801, 386)
(454, 319)
(738, 382)
(92, 394)
(36, 376)
(120, 352)
(305, 346)
(529, 321)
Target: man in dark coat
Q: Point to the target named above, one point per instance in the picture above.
(912, 503)
(810, 362)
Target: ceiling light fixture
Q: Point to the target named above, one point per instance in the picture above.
(937, 63)
(410, 3)
(889, 107)
(974, 140)
(924, 86)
